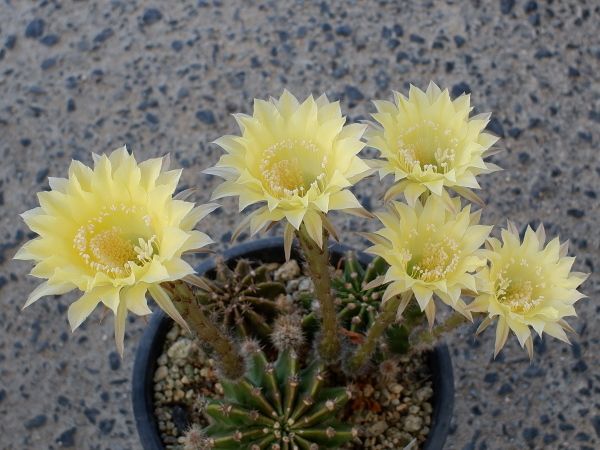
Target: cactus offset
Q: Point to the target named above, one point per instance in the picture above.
(243, 299)
(278, 406)
(358, 305)
(287, 333)
(195, 439)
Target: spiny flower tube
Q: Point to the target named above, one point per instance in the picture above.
(114, 232)
(527, 285)
(298, 158)
(430, 250)
(428, 143)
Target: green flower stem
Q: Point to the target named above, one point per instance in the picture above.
(228, 355)
(383, 320)
(318, 267)
(429, 337)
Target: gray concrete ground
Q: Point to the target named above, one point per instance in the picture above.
(83, 76)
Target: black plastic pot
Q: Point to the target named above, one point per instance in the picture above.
(269, 250)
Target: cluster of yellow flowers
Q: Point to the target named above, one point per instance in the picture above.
(115, 231)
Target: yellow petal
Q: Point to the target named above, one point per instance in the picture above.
(343, 200)
(555, 330)
(135, 297)
(46, 288)
(197, 240)
(392, 290)
(295, 217)
(166, 304)
(172, 242)
(314, 227)
(58, 184)
(430, 313)
(322, 203)
(155, 273)
(150, 170)
(412, 192)
(80, 309)
(111, 298)
(226, 189)
(178, 269)
(501, 335)
(288, 239)
(423, 296)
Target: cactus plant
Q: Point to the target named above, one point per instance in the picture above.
(278, 406)
(195, 439)
(245, 299)
(358, 303)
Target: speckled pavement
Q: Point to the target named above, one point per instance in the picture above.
(83, 76)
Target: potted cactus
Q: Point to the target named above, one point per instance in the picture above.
(307, 346)
(152, 399)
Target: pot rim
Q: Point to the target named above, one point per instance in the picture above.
(150, 347)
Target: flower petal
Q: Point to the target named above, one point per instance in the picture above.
(135, 297)
(166, 304)
(314, 227)
(120, 319)
(47, 288)
(80, 309)
(501, 335)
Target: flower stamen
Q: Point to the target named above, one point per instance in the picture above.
(519, 296)
(107, 248)
(426, 146)
(288, 167)
(438, 261)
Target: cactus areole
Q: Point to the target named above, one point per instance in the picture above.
(278, 404)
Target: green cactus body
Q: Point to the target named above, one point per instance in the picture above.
(359, 306)
(278, 406)
(243, 299)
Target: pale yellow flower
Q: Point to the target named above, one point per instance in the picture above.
(298, 158)
(430, 250)
(114, 232)
(527, 285)
(428, 143)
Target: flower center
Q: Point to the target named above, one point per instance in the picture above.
(438, 260)
(110, 249)
(519, 295)
(429, 146)
(290, 167)
(107, 243)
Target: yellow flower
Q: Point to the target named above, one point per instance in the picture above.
(297, 158)
(114, 232)
(527, 284)
(428, 143)
(430, 250)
